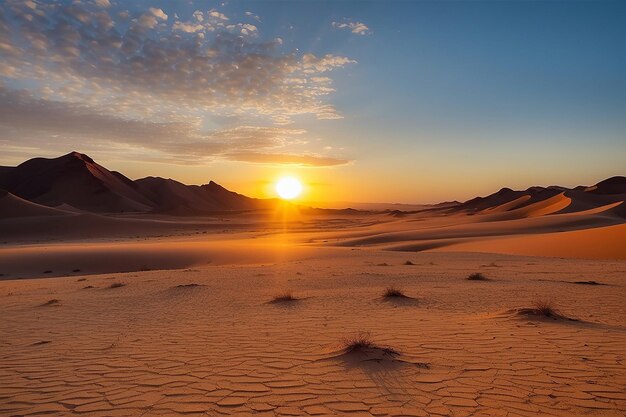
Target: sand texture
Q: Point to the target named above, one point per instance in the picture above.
(160, 346)
(282, 311)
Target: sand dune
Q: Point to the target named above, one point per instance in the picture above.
(600, 243)
(537, 201)
(12, 207)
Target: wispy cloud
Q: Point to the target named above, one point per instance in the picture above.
(154, 74)
(355, 27)
(277, 158)
(51, 124)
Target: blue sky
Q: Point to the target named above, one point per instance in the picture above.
(370, 101)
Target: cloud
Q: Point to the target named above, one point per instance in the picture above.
(253, 16)
(91, 73)
(151, 18)
(103, 3)
(214, 13)
(51, 124)
(148, 64)
(289, 159)
(358, 28)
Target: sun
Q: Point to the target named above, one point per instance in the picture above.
(288, 188)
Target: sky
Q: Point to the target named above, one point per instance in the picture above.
(369, 101)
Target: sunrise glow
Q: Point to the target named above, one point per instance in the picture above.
(288, 188)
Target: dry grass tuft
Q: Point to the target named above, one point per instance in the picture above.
(476, 276)
(409, 263)
(359, 341)
(284, 297)
(393, 292)
(546, 308)
(362, 341)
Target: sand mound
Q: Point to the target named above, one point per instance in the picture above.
(536, 313)
(598, 243)
(397, 297)
(372, 355)
(12, 206)
(284, 298)
(369, 354)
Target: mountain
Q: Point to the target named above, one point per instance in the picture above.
(77, 181)
(173, 197)
(73, 179)
(613, 185)
(535, 201)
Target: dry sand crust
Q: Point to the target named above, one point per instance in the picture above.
(160, 346)
(153, 314)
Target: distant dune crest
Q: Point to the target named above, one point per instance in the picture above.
(538, 201)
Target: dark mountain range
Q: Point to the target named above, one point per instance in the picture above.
(76, 181)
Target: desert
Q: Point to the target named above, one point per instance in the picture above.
(352, 208)
(505, 305)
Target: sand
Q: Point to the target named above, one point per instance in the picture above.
(146, 315)
(158, 346)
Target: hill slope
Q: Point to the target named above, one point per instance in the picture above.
(78, 181)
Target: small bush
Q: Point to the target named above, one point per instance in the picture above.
(359, 341)
(362, 341)
(477, 276)
(393, 292)
(284, 297)
(546, 308)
